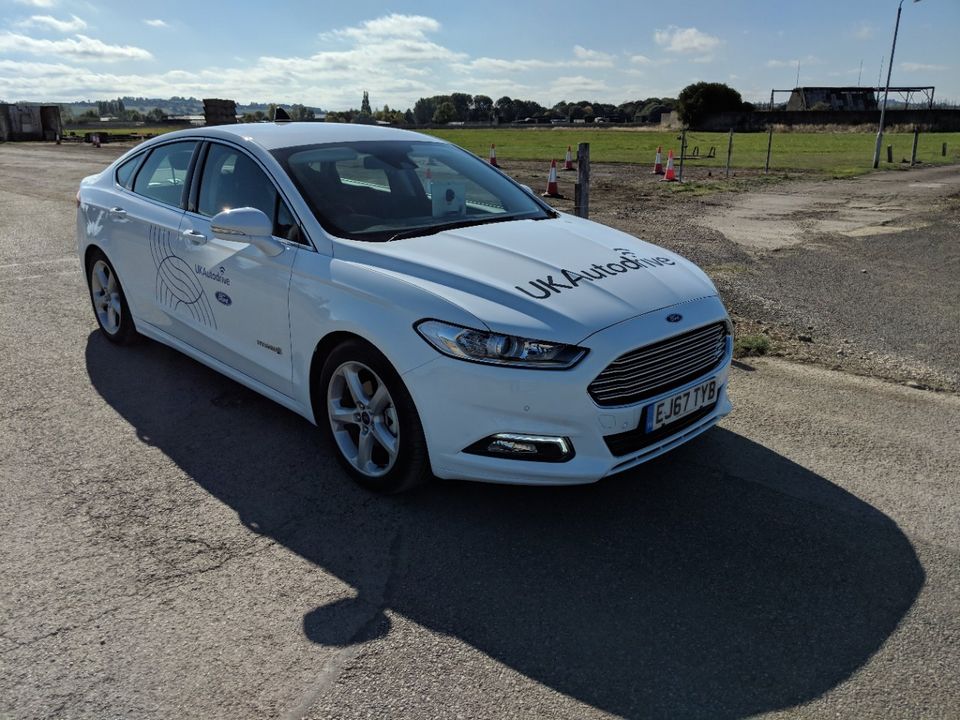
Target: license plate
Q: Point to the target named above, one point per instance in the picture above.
(678, 406)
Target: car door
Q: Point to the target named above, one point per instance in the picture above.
(143, 219)
(239, 310)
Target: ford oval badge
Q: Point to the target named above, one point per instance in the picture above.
(224, 298)
(675, 317)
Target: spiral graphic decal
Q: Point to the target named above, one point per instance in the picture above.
(177, 287)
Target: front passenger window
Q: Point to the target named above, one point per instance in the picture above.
(231, 179)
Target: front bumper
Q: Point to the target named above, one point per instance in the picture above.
(461, 403)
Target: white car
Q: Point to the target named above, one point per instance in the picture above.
(428, 312)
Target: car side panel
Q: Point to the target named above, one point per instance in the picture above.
(328, 295)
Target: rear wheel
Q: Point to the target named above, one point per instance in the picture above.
(109, 303)
(372, 420)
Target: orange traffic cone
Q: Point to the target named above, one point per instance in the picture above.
(658, 162)
(568, 160)
(670, 175)
(552, 190)
(493, 155)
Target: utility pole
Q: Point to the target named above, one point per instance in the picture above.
(886, 91)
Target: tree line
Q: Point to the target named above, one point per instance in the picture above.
(694, 103)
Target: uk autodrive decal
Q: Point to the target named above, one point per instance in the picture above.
(543, 288)
(177, 286)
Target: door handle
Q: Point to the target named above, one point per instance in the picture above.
(118, 212)
(194, 237)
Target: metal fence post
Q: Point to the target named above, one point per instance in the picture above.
(683, 151)
(582, 190)
(766, 165)
(916, 138)
(726, 171)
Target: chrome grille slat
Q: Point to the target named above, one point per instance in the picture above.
(659, 367)
(694, 359)
(631, 385)
(683, 341)
(668, 359)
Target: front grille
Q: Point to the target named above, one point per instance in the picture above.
(662, 366)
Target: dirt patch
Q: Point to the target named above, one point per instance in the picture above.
(861, 274)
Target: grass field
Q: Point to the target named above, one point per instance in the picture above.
(838, 154)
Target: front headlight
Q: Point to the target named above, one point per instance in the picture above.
(497, 349)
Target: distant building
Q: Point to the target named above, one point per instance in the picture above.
(832, 98)
(30, 122)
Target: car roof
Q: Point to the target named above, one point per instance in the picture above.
(272, 136)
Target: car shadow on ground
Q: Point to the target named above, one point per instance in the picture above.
(720, 581)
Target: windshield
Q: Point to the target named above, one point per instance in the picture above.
(388, 190)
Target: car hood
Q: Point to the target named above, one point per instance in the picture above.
(560, 279)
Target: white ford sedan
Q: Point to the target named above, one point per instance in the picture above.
(425, 310)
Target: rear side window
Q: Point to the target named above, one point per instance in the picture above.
(125, 172)
(164, 173)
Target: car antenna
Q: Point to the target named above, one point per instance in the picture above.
(280, 115)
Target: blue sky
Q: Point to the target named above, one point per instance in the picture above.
(326, 54)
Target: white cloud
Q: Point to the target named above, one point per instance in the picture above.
(922, 67)
(577, 85)
(397, 69)
(641, 60)
(389, 26)
(591, 58)
(79, 47)
(686, 40)
(863, 31)
(502, 65)
(156, 23)
(38, 3)
(582, 58)
(72, 25)
(808, 60)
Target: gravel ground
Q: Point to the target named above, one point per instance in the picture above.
(176, 546)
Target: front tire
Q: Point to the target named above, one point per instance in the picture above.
(109, 302)
(371, 419)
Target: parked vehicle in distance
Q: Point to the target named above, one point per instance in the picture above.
(433, 316)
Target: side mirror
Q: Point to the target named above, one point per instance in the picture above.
(528, 189)
(247, 225)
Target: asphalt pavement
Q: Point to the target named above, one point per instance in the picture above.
(176, 546)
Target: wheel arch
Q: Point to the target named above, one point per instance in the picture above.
(91, 250)
(321, 352)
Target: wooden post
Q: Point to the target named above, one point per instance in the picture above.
(889, 153)
(683, 151)
(916, 137)
(729, 153)
(943, 150)
(583, 180)
(766, 165)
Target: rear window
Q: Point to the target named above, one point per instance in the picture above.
(125, 172)
(164, 173)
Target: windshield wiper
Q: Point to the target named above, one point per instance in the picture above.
(434, 229)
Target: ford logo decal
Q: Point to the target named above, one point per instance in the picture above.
(675, 317)
(224, 298)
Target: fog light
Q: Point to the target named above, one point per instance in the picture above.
(538, 448)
